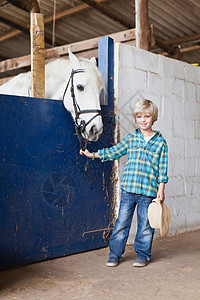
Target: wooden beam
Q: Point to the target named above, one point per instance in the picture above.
(169, 49)
(15, 25)
(184, 39)
(109, 13)
(27, 5)
(142, 24)
(79, 48)
(183, 50)
(37, 56)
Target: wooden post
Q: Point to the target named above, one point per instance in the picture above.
(37, 56)
(142, 24)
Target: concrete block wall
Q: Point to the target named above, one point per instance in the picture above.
(174, 86)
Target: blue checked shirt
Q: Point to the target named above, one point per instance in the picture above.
(147, 162)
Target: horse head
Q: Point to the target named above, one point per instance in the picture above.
(85, 86)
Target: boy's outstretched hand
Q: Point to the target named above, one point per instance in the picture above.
(86, 153)
(89, 154)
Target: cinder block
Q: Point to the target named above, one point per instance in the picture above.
(197, 166)
(190, 92)
(167, 85)
(165, 126)
(167, 104)
(136, 79)
(155, 84)
(125, 54)
(198, 93)
(191, 110)
(173, 68)
(179, 87)
(192, 73)
(192, 147)
(178, 103)
(178, 146)
(192, 186)
(175, 187)
(178, 168)
(197, 133)
(190, 167)
(179, 127)
(146, 61)
(177, 225)
(180, 205)
(192, 221)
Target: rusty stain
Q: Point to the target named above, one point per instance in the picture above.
(103, 179)
(86, 166)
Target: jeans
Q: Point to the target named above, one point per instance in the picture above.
(144, 236)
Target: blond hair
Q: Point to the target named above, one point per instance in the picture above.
(146, 106)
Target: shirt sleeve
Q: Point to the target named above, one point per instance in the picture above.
(115, 152)
(163, 164)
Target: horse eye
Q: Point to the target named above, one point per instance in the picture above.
(80, 87)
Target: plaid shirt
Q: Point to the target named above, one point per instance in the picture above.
(147, 162)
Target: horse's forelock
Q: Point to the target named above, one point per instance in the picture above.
(88, 65)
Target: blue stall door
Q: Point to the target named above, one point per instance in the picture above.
(53, 202)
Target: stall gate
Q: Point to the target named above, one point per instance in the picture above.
(54, 202)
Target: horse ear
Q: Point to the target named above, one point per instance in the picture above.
(74, 60)
(93, 60)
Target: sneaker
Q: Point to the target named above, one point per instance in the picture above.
(112, 262)
(140, 262)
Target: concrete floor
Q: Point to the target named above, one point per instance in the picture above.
(174, 273)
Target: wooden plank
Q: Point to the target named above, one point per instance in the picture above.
(79, 48)
(37, 56)
(142, 24)
(184, 39)
(10, 35)
(26, 5)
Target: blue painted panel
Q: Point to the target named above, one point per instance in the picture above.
(106, 66)
(53, 201)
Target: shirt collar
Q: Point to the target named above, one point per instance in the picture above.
(137, 131)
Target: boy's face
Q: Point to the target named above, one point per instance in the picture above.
(144, 120)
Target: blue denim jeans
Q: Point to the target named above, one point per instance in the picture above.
(144, 236)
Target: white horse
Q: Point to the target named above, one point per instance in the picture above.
(88, 85)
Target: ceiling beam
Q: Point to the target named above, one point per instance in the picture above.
(27, 5)
(25, 30)
(15, 25)
(172, 51)
(184, 39)
(109, 13)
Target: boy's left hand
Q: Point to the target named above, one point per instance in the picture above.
(160, 193)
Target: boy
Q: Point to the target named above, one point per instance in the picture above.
(144, 178)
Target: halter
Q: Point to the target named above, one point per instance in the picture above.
(80, 125)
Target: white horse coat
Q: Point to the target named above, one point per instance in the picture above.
(87, 88)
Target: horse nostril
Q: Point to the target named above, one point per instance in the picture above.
(93, 131)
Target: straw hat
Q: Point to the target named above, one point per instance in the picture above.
(159, 216)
